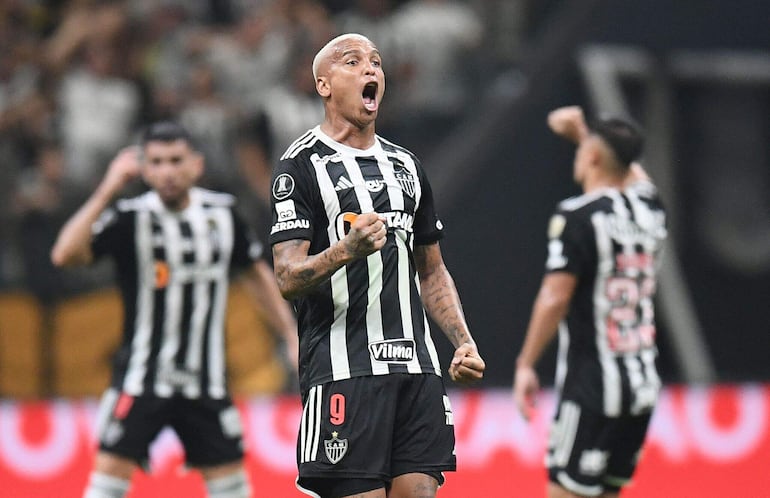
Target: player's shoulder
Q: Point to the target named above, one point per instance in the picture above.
(586, 203)
(393, 148)
(304, 146)
(140, 202)
(213, 198)
(643, 188)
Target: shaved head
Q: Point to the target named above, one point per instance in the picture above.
(329, 50)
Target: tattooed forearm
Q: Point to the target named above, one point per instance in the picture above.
(442, 303)
(297, 273)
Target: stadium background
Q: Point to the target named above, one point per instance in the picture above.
(696, 74)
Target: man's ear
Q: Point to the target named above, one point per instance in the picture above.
(322, 86)
(199, 165)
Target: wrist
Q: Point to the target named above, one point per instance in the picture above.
(522, 362)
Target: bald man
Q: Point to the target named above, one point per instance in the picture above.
(355, 240)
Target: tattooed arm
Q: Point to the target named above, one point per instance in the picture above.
(298, 273)
(441, 301)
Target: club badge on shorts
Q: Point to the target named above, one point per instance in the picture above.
(335, 448)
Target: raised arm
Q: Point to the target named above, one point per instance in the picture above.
(442, 302)
(550, 307)
(298, 273)
(568, 122)
(73, 244)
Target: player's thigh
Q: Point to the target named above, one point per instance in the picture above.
(346, 428)
(210, 431)
(126, 425)
(578, 450)
(114, 465)
(413, 485)
(626, 439)
(424, 440)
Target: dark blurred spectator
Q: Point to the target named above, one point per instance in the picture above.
(212, 122)
(251, 59)
(99, 107)
(435, 38)
(42, 202)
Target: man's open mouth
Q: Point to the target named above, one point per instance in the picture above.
(370, 96)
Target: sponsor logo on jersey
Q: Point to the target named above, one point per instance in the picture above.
(335, 448)
(289, 225)
(343, 183)
(285, 210)
(404, 177)
(283, 186)
(394, 220)
(373, 186)
(162, 274)
(392, 350)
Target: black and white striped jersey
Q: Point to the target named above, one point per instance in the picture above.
(368, 318)
(611, 240)
(173, 270)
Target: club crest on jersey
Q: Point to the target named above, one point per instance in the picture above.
(335, 448)
(392, 350)
(405, 179)
(283, 186)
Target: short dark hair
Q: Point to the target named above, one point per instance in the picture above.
(166, 131)
(622, 136)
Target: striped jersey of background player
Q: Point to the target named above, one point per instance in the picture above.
(174, 248)
(603, 255)
(355, 244)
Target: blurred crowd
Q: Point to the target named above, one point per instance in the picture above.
(79, 78)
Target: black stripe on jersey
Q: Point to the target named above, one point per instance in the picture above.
(188, 253)
(204, 373)
(185, 325)
(156, 339)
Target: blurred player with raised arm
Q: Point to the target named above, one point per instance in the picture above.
(598, 292)
(174, 248)
(355, 243)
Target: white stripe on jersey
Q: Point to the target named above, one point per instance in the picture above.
(140, 345)
(202, 297)
(217, 382)
(339, 280)
(310, 427)
(374, 332)
(305, 141)
(172, 237)
(611, 378)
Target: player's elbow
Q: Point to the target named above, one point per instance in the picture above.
(58, 257)
(61, 257)
(286, 286)
(555, 302)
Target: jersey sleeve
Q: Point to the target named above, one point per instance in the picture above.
(247, 249)
(569, 243)
(427, 225)
(112, 233)
(290, 202)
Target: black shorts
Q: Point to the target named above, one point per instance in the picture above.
(210, 429)
(372, 429)
(589, 453)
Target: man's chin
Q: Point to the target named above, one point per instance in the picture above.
(173, 201)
